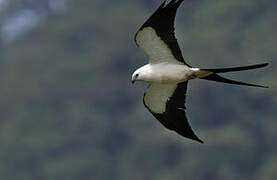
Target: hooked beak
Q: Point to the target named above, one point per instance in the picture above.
(134, 80)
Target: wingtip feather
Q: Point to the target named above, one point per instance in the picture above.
(199, 140)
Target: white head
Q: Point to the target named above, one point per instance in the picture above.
(141, 74)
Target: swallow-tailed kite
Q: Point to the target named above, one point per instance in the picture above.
(168, 73)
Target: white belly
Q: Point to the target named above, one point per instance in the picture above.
(168, 72)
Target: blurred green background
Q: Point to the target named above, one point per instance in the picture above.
(68, 110)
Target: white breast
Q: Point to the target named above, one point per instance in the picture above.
(165, 72)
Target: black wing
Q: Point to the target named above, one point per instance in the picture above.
(162, 21)
(172, 115)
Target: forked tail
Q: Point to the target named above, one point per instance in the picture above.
(216, 77)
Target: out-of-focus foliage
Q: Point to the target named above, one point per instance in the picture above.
(68, 110)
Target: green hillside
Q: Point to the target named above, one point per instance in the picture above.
(68, 109)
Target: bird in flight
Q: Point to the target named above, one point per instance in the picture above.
(168, 74)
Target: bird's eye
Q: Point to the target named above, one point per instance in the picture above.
(137, 75)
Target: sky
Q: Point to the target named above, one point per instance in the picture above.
(16, 23)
